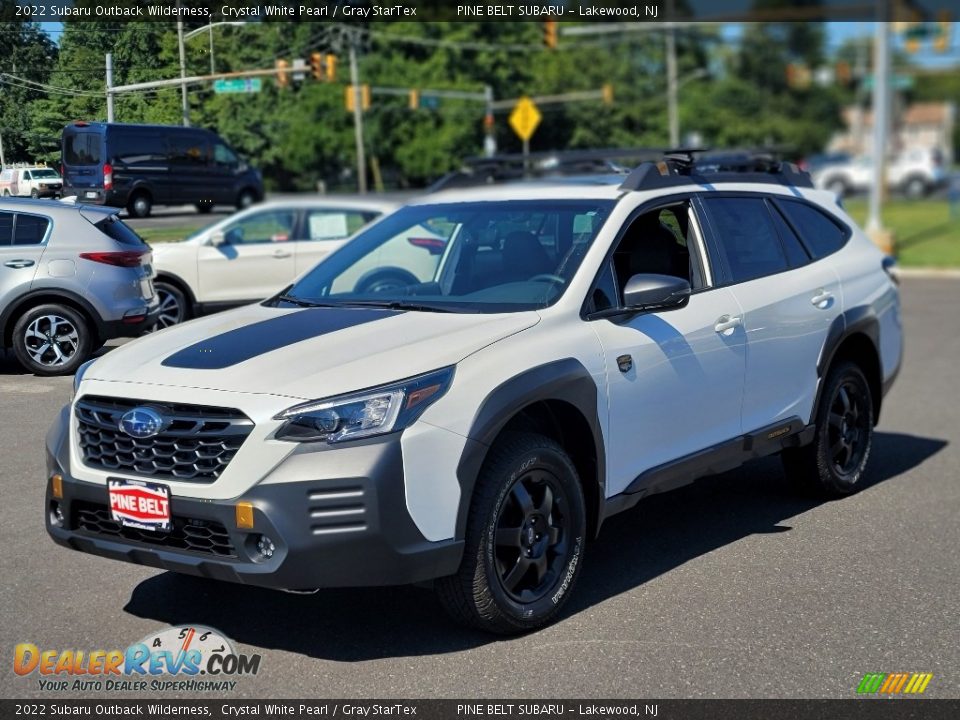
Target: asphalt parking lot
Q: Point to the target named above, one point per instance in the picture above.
(733, 587)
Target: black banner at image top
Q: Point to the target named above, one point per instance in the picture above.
(197, 12)
(854, 709)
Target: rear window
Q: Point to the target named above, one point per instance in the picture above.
(820, 234)
(115, 228)
(82, 148)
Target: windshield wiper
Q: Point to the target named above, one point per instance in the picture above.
(301, 302)
(396, 305)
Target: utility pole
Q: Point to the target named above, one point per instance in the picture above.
(881, 108)
(109, 87)
(183, 74)
(3, 163)
(672, 111)
(358, 117)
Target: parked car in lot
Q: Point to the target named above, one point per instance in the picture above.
(915, 173)
(576, 348)
(253, 254)
(139, 166)
(37, 181)
(71, 278)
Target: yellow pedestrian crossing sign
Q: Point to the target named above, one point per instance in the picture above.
(525, 118)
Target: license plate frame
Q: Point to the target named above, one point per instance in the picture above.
(140, 505)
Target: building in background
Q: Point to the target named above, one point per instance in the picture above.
(922, 126)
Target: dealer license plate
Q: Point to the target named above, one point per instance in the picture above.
(141, 505)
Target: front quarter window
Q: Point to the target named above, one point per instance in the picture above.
(498, 256)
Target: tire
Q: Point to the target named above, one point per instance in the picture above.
(523, 548)
(174, 306)
(73, 340)
(833, 465)
(915, 188)
(246, 198)
(837, 186)
(6, 193)
(204, 208)
(34, 194)
(139, 205)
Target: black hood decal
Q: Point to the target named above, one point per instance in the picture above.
(242, 344)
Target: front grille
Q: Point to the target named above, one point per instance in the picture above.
(200, 536)
(196, 445)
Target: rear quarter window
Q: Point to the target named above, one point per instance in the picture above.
(820, 233)
(30, 229)
(114, 227)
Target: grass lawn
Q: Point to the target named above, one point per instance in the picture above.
(154, 235)
(924, 232)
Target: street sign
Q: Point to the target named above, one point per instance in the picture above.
(525, 118)
(237, 85)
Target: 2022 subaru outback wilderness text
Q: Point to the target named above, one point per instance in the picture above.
(476, 428)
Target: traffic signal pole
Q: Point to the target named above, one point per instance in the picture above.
(881, 110)
(358, 117)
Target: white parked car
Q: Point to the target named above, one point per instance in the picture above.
(36, 182)
(253, 253)
(577, 348)
(915, 172)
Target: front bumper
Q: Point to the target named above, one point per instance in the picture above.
(351, 532)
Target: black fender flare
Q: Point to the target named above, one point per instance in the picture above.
(860, 320)
(565, 380)
(11, 312)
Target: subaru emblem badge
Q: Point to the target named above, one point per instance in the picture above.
(141, 422)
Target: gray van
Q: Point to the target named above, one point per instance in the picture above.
(139, 166)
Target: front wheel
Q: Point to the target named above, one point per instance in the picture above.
(174, 308)
(835, 462)
(52, 340)
(524, 540)
(34, 194)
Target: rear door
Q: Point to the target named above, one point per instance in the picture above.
(83, 158)
(255, 260)
(788, 300)
(139, 158)
(323, 230)
(20, 253)
(189, 179)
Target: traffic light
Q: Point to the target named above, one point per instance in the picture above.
(607, 92)
(842, 72)
(330, 66)
(350, 94)
(316, 66)
(550, 34)
(283, 74)
(414, 100)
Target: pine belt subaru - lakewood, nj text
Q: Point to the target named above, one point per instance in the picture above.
(576, 347)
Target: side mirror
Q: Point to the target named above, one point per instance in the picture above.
(649, 291)
(217, 239)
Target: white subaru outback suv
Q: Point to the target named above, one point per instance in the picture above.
(578, 347)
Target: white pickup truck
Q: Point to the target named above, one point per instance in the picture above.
(35, 182)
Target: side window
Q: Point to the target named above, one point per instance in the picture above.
(30, 230)
(187, 150)
(796, 253)
(6, 229)
(748, 240)
(224, 156)
(335, 224)
(655, 242)
(265, 227)
(821, 234)
(27, 175)
(137, 148)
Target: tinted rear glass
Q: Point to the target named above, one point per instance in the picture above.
(796, 253)
(115, 228)
(6, 228)
(747, 237)
(820, 234)
(30, 230)
(137, 148)
(82, 148)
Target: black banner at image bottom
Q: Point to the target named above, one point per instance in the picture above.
(853, 709)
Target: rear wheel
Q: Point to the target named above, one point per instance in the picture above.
(915, 188)
(52, 340)
(140, 205)
(837, 186)
(174, 307)
(834, 463)
(524, 539)
(245, 199)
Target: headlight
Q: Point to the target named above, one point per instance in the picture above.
(370, 412)
(78, 377)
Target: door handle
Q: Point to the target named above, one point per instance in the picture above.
(17, 264)
(281, 254)
(726, 324)
(822, 299)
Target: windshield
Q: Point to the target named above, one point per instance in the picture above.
(48, 173)
(464, 257)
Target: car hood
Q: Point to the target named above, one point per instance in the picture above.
(306, 352)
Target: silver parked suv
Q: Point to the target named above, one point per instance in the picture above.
(71, 278)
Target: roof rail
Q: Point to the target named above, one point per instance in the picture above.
(680, 167)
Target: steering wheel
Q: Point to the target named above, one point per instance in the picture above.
(548, 277)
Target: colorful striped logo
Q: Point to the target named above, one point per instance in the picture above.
(894, 683)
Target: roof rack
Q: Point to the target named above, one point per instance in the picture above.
(680, 167)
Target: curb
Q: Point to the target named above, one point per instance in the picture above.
(937, 273)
